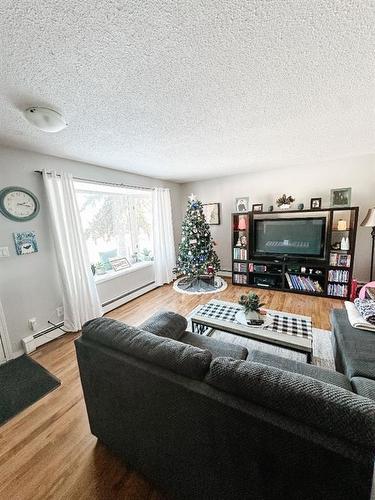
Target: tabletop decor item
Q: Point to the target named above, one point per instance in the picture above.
(284, 201)
(315, 203)
(301, 206)
(252, 304)
(211, 212)
(258, 207)
(25, 242)
(119, 263)
(341, 225)
(18, 204)
(341, 197)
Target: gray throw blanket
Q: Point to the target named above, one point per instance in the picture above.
(366, 307)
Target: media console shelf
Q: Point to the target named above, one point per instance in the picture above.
(321, 256)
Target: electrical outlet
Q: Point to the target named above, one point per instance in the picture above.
(60, 312)
(32, 324)
(4, 252)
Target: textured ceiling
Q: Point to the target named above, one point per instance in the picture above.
(191, 89)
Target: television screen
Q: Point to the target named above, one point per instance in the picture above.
(290, 236)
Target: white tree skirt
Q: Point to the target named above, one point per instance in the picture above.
(220, 285)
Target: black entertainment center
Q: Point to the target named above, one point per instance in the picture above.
(309, 251)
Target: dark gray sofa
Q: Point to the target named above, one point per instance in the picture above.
(203, 425)
(354, 352)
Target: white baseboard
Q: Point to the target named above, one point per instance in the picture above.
(225, 273)
(114, 304)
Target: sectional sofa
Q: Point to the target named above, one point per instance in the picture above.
(205, 420)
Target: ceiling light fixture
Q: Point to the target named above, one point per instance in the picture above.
(45, 119)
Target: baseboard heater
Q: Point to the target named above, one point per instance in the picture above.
(31, 342)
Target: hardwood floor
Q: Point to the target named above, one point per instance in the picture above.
(47, 451)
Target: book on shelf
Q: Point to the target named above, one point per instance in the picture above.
(303, 283)
(338, 276)
(337, 290)
(240, 279)
(339, 259)
(240, 253)
(251, 267)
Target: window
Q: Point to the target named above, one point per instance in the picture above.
(117, 222)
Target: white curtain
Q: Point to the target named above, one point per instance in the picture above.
(80, 297)
(164, 251)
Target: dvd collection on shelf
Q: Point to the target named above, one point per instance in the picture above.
(240, 267)
(339, 259)
(239, 253)
(240, 279)
(338, 276)
(337, 290)
(302, 283)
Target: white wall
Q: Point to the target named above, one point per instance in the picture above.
(303, 183)
(29, 285)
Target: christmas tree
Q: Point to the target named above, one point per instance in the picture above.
(197, 256)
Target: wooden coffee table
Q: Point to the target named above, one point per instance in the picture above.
(290, 331)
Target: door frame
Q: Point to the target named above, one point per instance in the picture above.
(4, 334)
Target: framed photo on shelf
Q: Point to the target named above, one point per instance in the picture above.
(211, 213)
(120, 263)
(316, 203)
(258, 207)
(341, 197)
(242, 204)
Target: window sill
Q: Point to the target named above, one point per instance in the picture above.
(111, 275)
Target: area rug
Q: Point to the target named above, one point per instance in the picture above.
(201, 288)
(322, 347)
(22, 383)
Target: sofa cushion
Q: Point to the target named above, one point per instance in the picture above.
(216, 347)
(320, 405)
(322, 374)
(356, 347)
(165, 324)
(167, 353)
(364, 387)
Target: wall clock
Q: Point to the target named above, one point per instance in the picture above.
(18, 204)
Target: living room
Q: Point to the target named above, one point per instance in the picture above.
(187, 214)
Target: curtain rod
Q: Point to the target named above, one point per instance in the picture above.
(102, 182)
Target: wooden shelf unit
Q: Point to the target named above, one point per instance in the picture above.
(280, 268)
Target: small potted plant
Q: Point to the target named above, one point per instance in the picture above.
(284, 201)
(251, 304)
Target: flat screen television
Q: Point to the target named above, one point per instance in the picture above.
(295, 236)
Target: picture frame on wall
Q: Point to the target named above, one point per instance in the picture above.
(242, 204)
(25, 242)
(258, 207)
(316, 203)
(211, 213)
(341, 197)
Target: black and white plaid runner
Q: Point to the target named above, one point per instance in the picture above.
(298, 327)
(289, 325)
(218, 311)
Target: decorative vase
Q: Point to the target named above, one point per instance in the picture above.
(251, 315)
(301, 206)
(270, 208)
(345, 245)
(341, 225)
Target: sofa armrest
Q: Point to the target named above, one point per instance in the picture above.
(165, 324)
